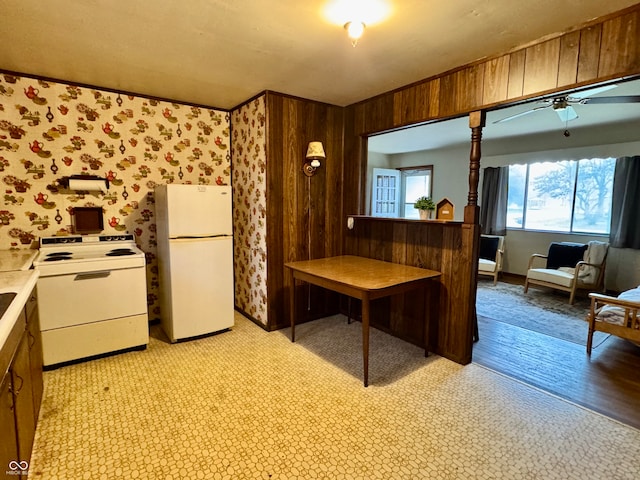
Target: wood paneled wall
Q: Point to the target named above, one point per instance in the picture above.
(304, 214)
(603, 50)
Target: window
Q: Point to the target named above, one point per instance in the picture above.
(395, 191)
(568, 196)
(416, 183)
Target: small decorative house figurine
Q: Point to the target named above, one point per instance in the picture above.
(445, 209)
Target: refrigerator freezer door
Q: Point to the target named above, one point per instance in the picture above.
(198, 210)
(200, 287)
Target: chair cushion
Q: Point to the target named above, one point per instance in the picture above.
(485, 265)
(615, 314)
(551, 275)
(565, 254)
(595, 254)
(488, 247)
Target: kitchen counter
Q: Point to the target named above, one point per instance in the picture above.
(21, 282)
(17, 259)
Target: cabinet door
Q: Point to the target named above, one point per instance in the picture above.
(23, 399)
(8, 442)
(35, 353)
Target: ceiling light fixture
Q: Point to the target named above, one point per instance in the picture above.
(355, 29)
(356, 15)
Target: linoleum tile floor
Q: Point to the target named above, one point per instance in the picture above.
(249, 404)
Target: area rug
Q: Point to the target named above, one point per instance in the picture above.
(540, 310)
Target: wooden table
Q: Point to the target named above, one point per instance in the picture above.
(358, 277)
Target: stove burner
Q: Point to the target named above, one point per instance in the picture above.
(59, 254)
(118, 252)
(55, 258)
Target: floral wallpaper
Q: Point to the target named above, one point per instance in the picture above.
(52, 130)
(249, 152)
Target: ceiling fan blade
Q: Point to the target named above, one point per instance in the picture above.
(521, 114)
(620, 99)
(591, 92)
(566, 114)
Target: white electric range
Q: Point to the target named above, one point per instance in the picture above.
(92, 296)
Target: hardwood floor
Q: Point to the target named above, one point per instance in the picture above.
(608, 382)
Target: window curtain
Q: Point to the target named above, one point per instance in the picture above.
(493, 208)
(625, 220)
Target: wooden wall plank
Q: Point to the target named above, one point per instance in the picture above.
(568, 62)
(516, 74)
(620, 51)
(417, 103)
(334, 225)
(379, 113)
(277, 284)
(541, 67)
(405, 106)
(496, 80)
(449, 292)
(469, 84)
(446, 96)
(434, 98)
(434, 247)
(354, 170)
(461, 90)
(399, 249)
(381, 241)
(589, 57)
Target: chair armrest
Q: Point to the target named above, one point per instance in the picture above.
(581, 264)
(587, 264)
(630, 309)
(534, 257)
(606, 299)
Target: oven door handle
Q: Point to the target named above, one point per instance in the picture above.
(91, 275)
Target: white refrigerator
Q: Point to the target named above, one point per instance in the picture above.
(195, 259)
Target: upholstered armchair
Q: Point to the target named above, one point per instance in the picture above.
(569, 267)
(490, 256)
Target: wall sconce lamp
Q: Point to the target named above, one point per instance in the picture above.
(315, 153)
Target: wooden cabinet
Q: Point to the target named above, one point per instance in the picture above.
(8, 446)
(22, 386)
(35, 352)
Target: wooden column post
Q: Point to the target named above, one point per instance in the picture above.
(471, 240)
(476, 123)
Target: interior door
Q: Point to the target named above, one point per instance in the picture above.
(385, 193)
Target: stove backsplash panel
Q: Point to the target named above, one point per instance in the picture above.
(51, 130)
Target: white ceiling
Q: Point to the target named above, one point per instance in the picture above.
(620, 122)
(222, 52)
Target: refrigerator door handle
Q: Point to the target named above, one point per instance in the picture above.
(196, 237)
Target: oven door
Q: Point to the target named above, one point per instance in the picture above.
(74, 299)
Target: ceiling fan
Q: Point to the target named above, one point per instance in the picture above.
(562, 105)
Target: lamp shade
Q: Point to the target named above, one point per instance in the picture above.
(315, 151)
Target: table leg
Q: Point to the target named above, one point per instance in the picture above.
(292, 304)
(365, 338)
